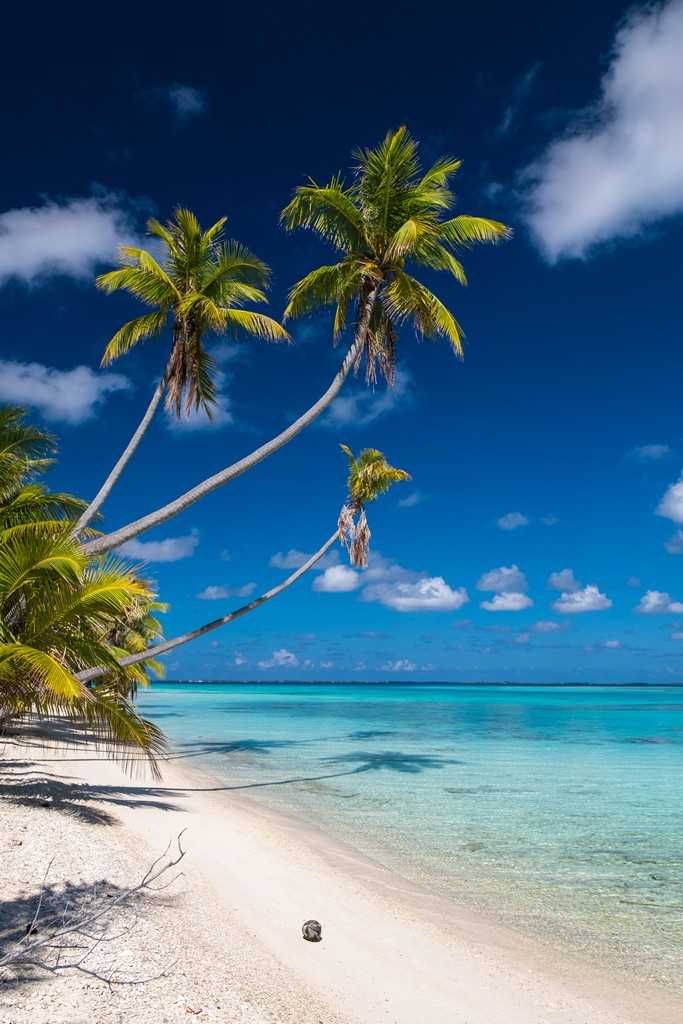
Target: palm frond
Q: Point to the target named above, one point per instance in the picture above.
(148, 326)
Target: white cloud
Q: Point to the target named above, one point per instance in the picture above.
(65, 396)
(281, 659)
(565, 581)
(239, 658)
(676, 636)
(505, 580)
(649, 452)
(589, 599)
(413, 499)
(363, 405)
(612, 645)
(398, 666)
(294, 559)
(70, 238)
(338, 579)
(429, 594)
(509, 601)
(622, 168)
(173, 549)
(546, 626)
(326, 664)
(658, 602)
(550, 520)
(674, 545)
(218, 593)
(633, 581)
(512, 521)
(671, 505)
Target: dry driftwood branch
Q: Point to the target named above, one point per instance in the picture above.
(72, 943)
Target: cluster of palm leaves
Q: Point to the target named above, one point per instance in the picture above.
(77, 626)
(62, 612)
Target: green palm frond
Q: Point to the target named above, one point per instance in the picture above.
(466, 231)
(330, 211)
(370, 476)
(143, 327)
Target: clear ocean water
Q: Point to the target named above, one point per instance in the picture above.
(557, 811)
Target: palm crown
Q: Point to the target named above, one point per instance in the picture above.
(390, 215)
(370, 476)
(198, 286)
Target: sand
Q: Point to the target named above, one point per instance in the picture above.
(226, 935)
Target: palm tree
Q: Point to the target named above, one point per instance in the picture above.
(391, 215)
(58, 608)
(369, 476)
(198, 287)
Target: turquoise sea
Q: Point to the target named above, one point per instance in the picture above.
(557, 811)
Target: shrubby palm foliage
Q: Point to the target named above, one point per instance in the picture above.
(391, 215)
(60, 611)
(197, 287)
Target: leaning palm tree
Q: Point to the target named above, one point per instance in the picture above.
(391, 215)
(370, 476)
(197, 287)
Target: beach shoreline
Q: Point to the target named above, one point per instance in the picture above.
(390, 951)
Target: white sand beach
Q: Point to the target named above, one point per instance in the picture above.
(227, 932)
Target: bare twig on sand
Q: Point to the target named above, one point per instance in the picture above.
(70, 944)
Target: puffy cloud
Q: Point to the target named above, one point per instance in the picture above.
(512, 521)
(65, 396)
(218, 593)
(429, 594)
(239, 658)
(70, 238)
(671, 505)
(363, 405)
(281, 659)
(338, 579)
(606, 645)
(294, 559)
(621, 168)
(674, 545)
(589, 599)
(398, 666)
(658, 602)
(565, 581)
(633, 581)
(546, 626)
(649, 452)
(326, 664)
(509, 601)
(173, 549)
(505, 580)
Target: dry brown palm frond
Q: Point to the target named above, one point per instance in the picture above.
(360, 544)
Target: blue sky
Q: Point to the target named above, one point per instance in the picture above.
(541, 537)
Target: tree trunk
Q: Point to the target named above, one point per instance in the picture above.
(102, 495)
(168, 645)
(113, 540)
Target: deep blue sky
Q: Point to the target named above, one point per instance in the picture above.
(563, 422)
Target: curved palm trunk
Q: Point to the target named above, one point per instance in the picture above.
(168, 645)
(106, 488)
(112, 540)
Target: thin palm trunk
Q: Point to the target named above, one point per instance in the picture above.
(169, 645)
(102, 495)
(113, 540)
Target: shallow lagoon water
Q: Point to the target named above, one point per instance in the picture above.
(555, 810)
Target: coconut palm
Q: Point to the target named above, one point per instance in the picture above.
(391, 215)
(370, 476)
(58, 609)
(197, 287)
